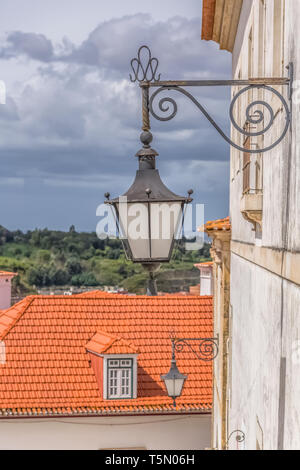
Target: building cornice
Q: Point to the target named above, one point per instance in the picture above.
(8, 414)
(284, 264)
(220, 19)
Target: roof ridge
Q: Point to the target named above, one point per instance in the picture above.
(110, 296)
(109, 345)
(27, 301)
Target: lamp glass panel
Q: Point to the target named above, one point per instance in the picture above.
(165, 220)
(134, 227)
(174, 386)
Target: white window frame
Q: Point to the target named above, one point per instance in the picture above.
(119, 381)
(108, 366)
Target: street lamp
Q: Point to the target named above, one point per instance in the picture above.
(174, 380)
(208, 349)
(149, 216)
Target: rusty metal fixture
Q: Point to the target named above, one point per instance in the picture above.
(208, 351)
(145, 72)
(239, 436)
(208, 348)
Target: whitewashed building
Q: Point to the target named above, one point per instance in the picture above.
(262, 361)
(5, 289)
(84, 372)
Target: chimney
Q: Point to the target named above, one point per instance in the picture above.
(206, 278)
(5, 289)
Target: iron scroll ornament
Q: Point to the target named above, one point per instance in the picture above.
(144, 70)
(208, 347)
(254, 118)
(239, 436)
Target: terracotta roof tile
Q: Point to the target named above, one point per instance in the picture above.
(102, 343)
(208, 14)
(202, 265)
(219, 224)
(93, 293)
(6, 273)
(47, 367)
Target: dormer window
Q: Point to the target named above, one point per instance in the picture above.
(119, 378)
(114, 361)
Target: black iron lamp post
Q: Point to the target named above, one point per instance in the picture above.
(208, 349)
(143, 213)
(149, 216)
(174, 380)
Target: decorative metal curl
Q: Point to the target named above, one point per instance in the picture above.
(146, 72)
(240, 436)
(256, 117)
(208, 347)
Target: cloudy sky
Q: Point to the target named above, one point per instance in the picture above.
(70, 127)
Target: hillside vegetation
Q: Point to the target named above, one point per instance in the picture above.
(45, 258)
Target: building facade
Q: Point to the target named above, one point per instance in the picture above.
(5, 289)
(263, 385)
(220, 233)
(84, 372)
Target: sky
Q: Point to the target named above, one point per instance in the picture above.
(69, 130)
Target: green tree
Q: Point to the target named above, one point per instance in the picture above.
(43, 256)
(60, 277)
(84, 279)
(73, 266)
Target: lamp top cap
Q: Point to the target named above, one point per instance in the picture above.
(146, 138)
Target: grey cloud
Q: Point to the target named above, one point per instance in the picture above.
(9, 110)
(72, 130)
(176, 43)
(34, 46)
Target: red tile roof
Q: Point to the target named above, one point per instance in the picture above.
(202, 265)
(219, 224)
(93, 293)
(208, 15)
(47, 369)
(6, 273)
(102, 343)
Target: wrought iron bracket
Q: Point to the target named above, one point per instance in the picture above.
(208, 348)
(239, 436)
(144, 68)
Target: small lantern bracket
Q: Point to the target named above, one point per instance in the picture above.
(207, 348)
(144, 68)
(239, 437)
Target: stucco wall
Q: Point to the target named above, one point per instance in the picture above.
(265, 383)
(256, 352)
(150, 432)
(5, 292)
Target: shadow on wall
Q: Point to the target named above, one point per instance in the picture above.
(147, 387)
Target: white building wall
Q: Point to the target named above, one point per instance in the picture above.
(146, 432)
(265, 303)
(217, 366)
(256, 352)
(5, 292)
(206, 280)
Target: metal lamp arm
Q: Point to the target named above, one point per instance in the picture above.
(144, 70)
(256, 118)
(208, 348)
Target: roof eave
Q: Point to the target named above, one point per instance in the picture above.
(220, 19)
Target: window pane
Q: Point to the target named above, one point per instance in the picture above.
(125, 388)
(113, 382)
(113, 363)
(126, 363)
(119, 376)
